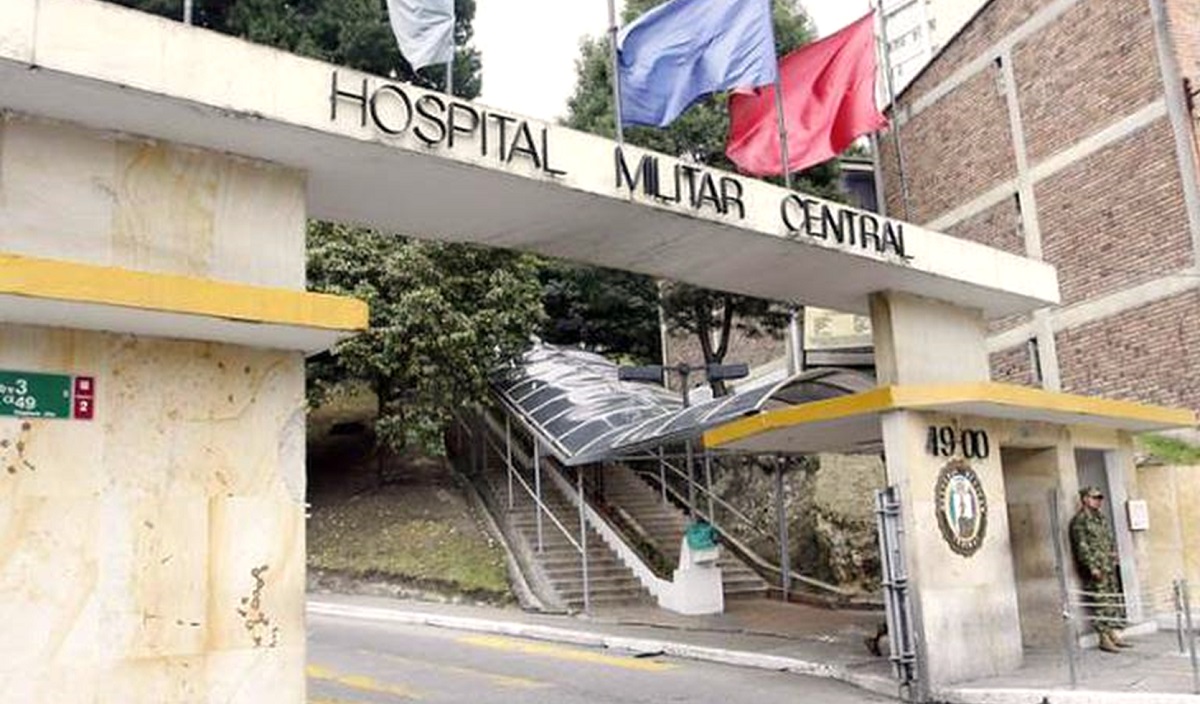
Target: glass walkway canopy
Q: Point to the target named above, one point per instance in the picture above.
(576, 405)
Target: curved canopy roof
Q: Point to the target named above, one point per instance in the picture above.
(574, 402)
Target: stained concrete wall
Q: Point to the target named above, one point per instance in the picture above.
(1171, 547)
(966, 606)
(921, 340)
(156, 552)
(1029, 478)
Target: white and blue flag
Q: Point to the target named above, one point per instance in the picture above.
(682, 50)
(424, 30)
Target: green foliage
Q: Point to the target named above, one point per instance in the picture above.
(603, 310)
(705, 313)
(352, 33)
(443, 316)
(698, 135)
(1170, 450)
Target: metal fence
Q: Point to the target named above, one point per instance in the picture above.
(1171, 606)
(1088, 610)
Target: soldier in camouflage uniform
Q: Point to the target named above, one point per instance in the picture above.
(1096, 558)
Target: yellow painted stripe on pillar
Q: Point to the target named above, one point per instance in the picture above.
(858, 404)
(172, 293)
(559, 652)
(1039, 399)
(890, 398)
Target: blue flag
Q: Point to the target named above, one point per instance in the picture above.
(682, 50)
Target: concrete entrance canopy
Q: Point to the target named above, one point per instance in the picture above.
(853, 422)
(401, 159)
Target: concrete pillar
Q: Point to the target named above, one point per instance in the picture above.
(964, 606)
(924, 341)
(155, 552)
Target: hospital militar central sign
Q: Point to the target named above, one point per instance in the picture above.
(436, 121)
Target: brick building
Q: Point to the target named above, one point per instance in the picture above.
(1063, 130)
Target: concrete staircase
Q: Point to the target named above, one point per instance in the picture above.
(558, 563)
(664, 525)
(557, 566)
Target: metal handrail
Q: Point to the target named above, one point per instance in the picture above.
(714, 498)
(523, 457)
(533, 495)
(763, 563)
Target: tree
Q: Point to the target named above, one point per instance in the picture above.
(352, 33)
(604, 310)
(443, 316)
(698, 135)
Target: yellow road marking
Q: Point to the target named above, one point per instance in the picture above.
(562, 653)
(502, 680)
(361, 683)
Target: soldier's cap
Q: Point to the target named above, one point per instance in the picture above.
(1090, 492)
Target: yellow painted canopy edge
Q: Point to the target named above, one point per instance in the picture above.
(171, 293)
(891, 398)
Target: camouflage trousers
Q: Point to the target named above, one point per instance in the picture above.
(1105, 603)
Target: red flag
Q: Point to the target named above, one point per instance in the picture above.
(828, 101)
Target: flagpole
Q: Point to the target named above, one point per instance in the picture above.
(450, 63)
(795, 361)
(616, 75)
(783, 135)
(887, 73)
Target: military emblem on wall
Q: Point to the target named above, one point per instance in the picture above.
(961, 507)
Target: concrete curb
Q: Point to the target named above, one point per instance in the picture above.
(1041, 696)
(638, 646)
(738, 658)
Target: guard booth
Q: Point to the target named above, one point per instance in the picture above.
(971, 466)
(155, 180)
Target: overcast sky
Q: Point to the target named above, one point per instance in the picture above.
(530, 46)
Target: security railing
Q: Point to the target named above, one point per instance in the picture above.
(516, 460)
(1164, 605)
(1168, 604)
(697, 495)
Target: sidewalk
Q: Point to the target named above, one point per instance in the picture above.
(802, 639)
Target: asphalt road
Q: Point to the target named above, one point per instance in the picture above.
(353, 661)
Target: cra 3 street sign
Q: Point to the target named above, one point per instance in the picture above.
(36, 395)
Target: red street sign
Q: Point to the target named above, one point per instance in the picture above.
(84, 398)
(85, 386)
(84, 408)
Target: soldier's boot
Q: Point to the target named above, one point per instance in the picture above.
(1107, 644)
(1119, 641)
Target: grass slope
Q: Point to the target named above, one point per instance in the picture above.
(417, 532)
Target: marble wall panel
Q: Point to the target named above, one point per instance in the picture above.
(157, 551)
(70, 193)
(56, 191)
